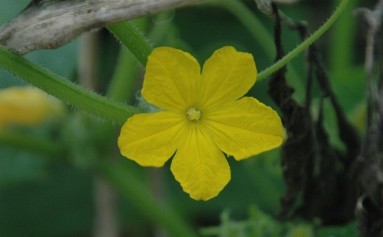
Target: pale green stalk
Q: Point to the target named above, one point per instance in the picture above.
(257, 30)
(253, 25)
(122, 85)
(341, 49)
(124, 78)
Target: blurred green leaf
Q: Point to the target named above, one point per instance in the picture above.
(58, 205)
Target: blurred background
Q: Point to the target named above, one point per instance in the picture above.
(59, 191)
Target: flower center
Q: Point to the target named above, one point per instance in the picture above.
(193, 114)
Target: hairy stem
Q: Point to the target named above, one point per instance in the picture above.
(64, 89)
(132, 39)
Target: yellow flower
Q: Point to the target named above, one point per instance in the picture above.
(201, 118)
(26, 106)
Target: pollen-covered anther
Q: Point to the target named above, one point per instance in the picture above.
(193, 114)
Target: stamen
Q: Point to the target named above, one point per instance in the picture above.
(193, 114)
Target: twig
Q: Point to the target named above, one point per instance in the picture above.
(105, 223)
(374, 21)
(369, 211)
(52, 24)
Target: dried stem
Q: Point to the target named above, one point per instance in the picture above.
(52, 24)
(369, 211)
(374, 20)
(106, 223)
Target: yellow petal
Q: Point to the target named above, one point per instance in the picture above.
(171, 79)
(226, 76)
(199, 166)
(151, 139)
(244, 128)
(27, 106)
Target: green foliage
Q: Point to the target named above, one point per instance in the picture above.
(261, 224)
(47, 173)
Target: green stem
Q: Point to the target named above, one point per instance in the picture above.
(256, 29)
(64, 89)
(342, 50)
(30, 143)
(253, 25)
(124, 80)
(306, 43)
(261, 35)
(132, 39)
(162, 27)
(132, 189)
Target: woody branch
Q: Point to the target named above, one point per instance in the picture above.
(51, 24)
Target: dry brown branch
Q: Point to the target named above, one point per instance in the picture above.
(52, 24)
(369, 211)
(374, 20)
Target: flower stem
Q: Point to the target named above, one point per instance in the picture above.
(64, 89)
(132, 39)
(306, 43)
(258, 30)
(124, 81)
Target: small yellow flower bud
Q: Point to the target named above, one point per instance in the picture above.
(27, 106)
